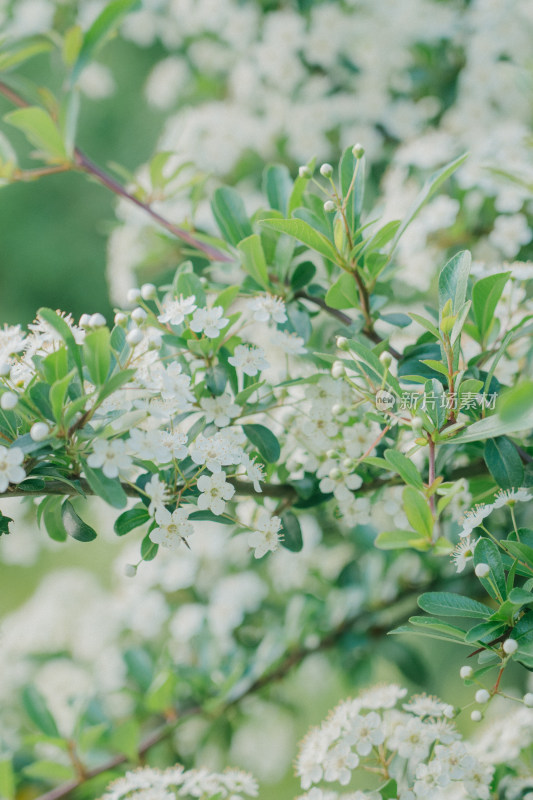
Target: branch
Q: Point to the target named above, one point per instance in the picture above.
(84, 164)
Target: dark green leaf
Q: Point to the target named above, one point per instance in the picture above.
(109, 489)
(453, 281)
(264, 440)
(37, 710)
(131, 519)
(304, 233)
(504, 463)
(253, 259)
(292, 532)
(74, 525)
(447, 604)
(485, 295)
(404, 467)
(277, 185)
(97, 354)
(230, 215)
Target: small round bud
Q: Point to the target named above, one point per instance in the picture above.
(465, 672)
(5, 369)
(528, 700)
(386, 359)
(326, 170)
(133, 295)
(130, 570)
(121, 318)
(134, 337)
(335, 474)
(97, 321)
(331, 454)
(148, 291)
(421, 441)
(8, 401)
(85, 321)
(337, 370)
(358, 150)
(482, 570)
(39, 431)
(305, 172)
(476, 716)
(203, 280)
(348, 463)
(329, 205)
(138, 315)
(337, 408)
(482, 696)
(342, 342)
(510, 646)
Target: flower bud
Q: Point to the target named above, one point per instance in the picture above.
(476, 716)
(342, 342)
(326, 170)
(348, 463)
(134, 337)
(39, 431)
(97, 321)
(331, 454)
(358, 150)
(8, 401)
(5, 369)
(305, 172)
(482, 696)
(465, 672)
(121, 318)
(138, 315)
(337, 408)
(85, 321)
(148, 291)
(528, 699)
(133, 295)
(337, 370)
(386, 359)
(510, 646)
(482, 570)
(335, 474)
(130, 570)
(421, 441)
(329, 205)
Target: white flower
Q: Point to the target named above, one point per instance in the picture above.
(464, 552)
(474, 517)
(173, 528)
(508, 497)
(430, 777)
(254, 471)
(266, 307)
(338, 764)
(220, 410)
(250, 359)
(290, 343)
(147, 446)
(10, 469)
(12, 340)
(175, 442)
(209, 321)
(266, 535)
(215, 491)
(366, 732)
(111, 456)
(158, 492)
(215, 451)
(423, 705)
(175, 310)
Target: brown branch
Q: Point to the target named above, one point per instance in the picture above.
(84, 164)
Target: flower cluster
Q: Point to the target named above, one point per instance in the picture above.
(174, 782)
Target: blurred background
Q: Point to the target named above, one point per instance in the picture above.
(230, 85)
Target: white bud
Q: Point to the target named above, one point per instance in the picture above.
(329, 205)
(476, 716)
(85, 321)
(138, 315)
(348, 463)
(133, 295)
(203, 280)
(326, 170)
(337, 370)
(465, 672)
(342, 342)
(134, 337)
(386, 359)
(331, 454)
(304, 172)
(358, 150)
(335, 474)
(482, 696)
(337, 408)
(39, 431)
(120, 318)
(482, 570)
(97, 321)
(8, 401)
(528, 699)
(148, 291)
(449, 712)
(510, 646)
(5, 369)
(130, 570)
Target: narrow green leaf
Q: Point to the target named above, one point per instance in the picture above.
(59, 324)
(131, 519)
(41, 131)
(304, 233)
(37, 710)
(230, 215)
(448, 604)
(74, 525)
(264, 440)
(504, 463)
(485, 296)
(97, 354)
(418, 512)
(404, 467)
(7, 779)
(115, 383)
(103, 26)
(253, 259)
(432, 623)
(292, 532)
(400, 540)
(58, 392)
(277, 185)
(453, 281)
(487, 552)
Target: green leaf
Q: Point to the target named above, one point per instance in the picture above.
(208, 516)
(230, 215)
(448, 604)
(485, 296)
(434, 402)
(160, 695)
(304, 233)
(434, 624)
(97, 354)
(131, 519)
(48, 771)
(4, 524)
(520, 550)
(7, 779)
(343, 293)
(504, 463)
(264, 440)
(519, 597)
(302, 275)
(453, 281)
(109, 489)
(399, 540)
(277, 185)
(55, 365)
(103, 26)
(389, 790)
(516, 402)
(493, 426)
(253, 259)
(59, 324)
(347, 167)
(227, 296)
(431, 186)
(418, 512)
(188, 283)
(41, 131)
(485, 630)
(51, 516)
(74, 525)
(37, 710)
(17, 52)
(292, 532)
(58, 392)
(125, 738)
(140, 666)
(115, 383)
(487, 552)
(426, 323)
(404, 467)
